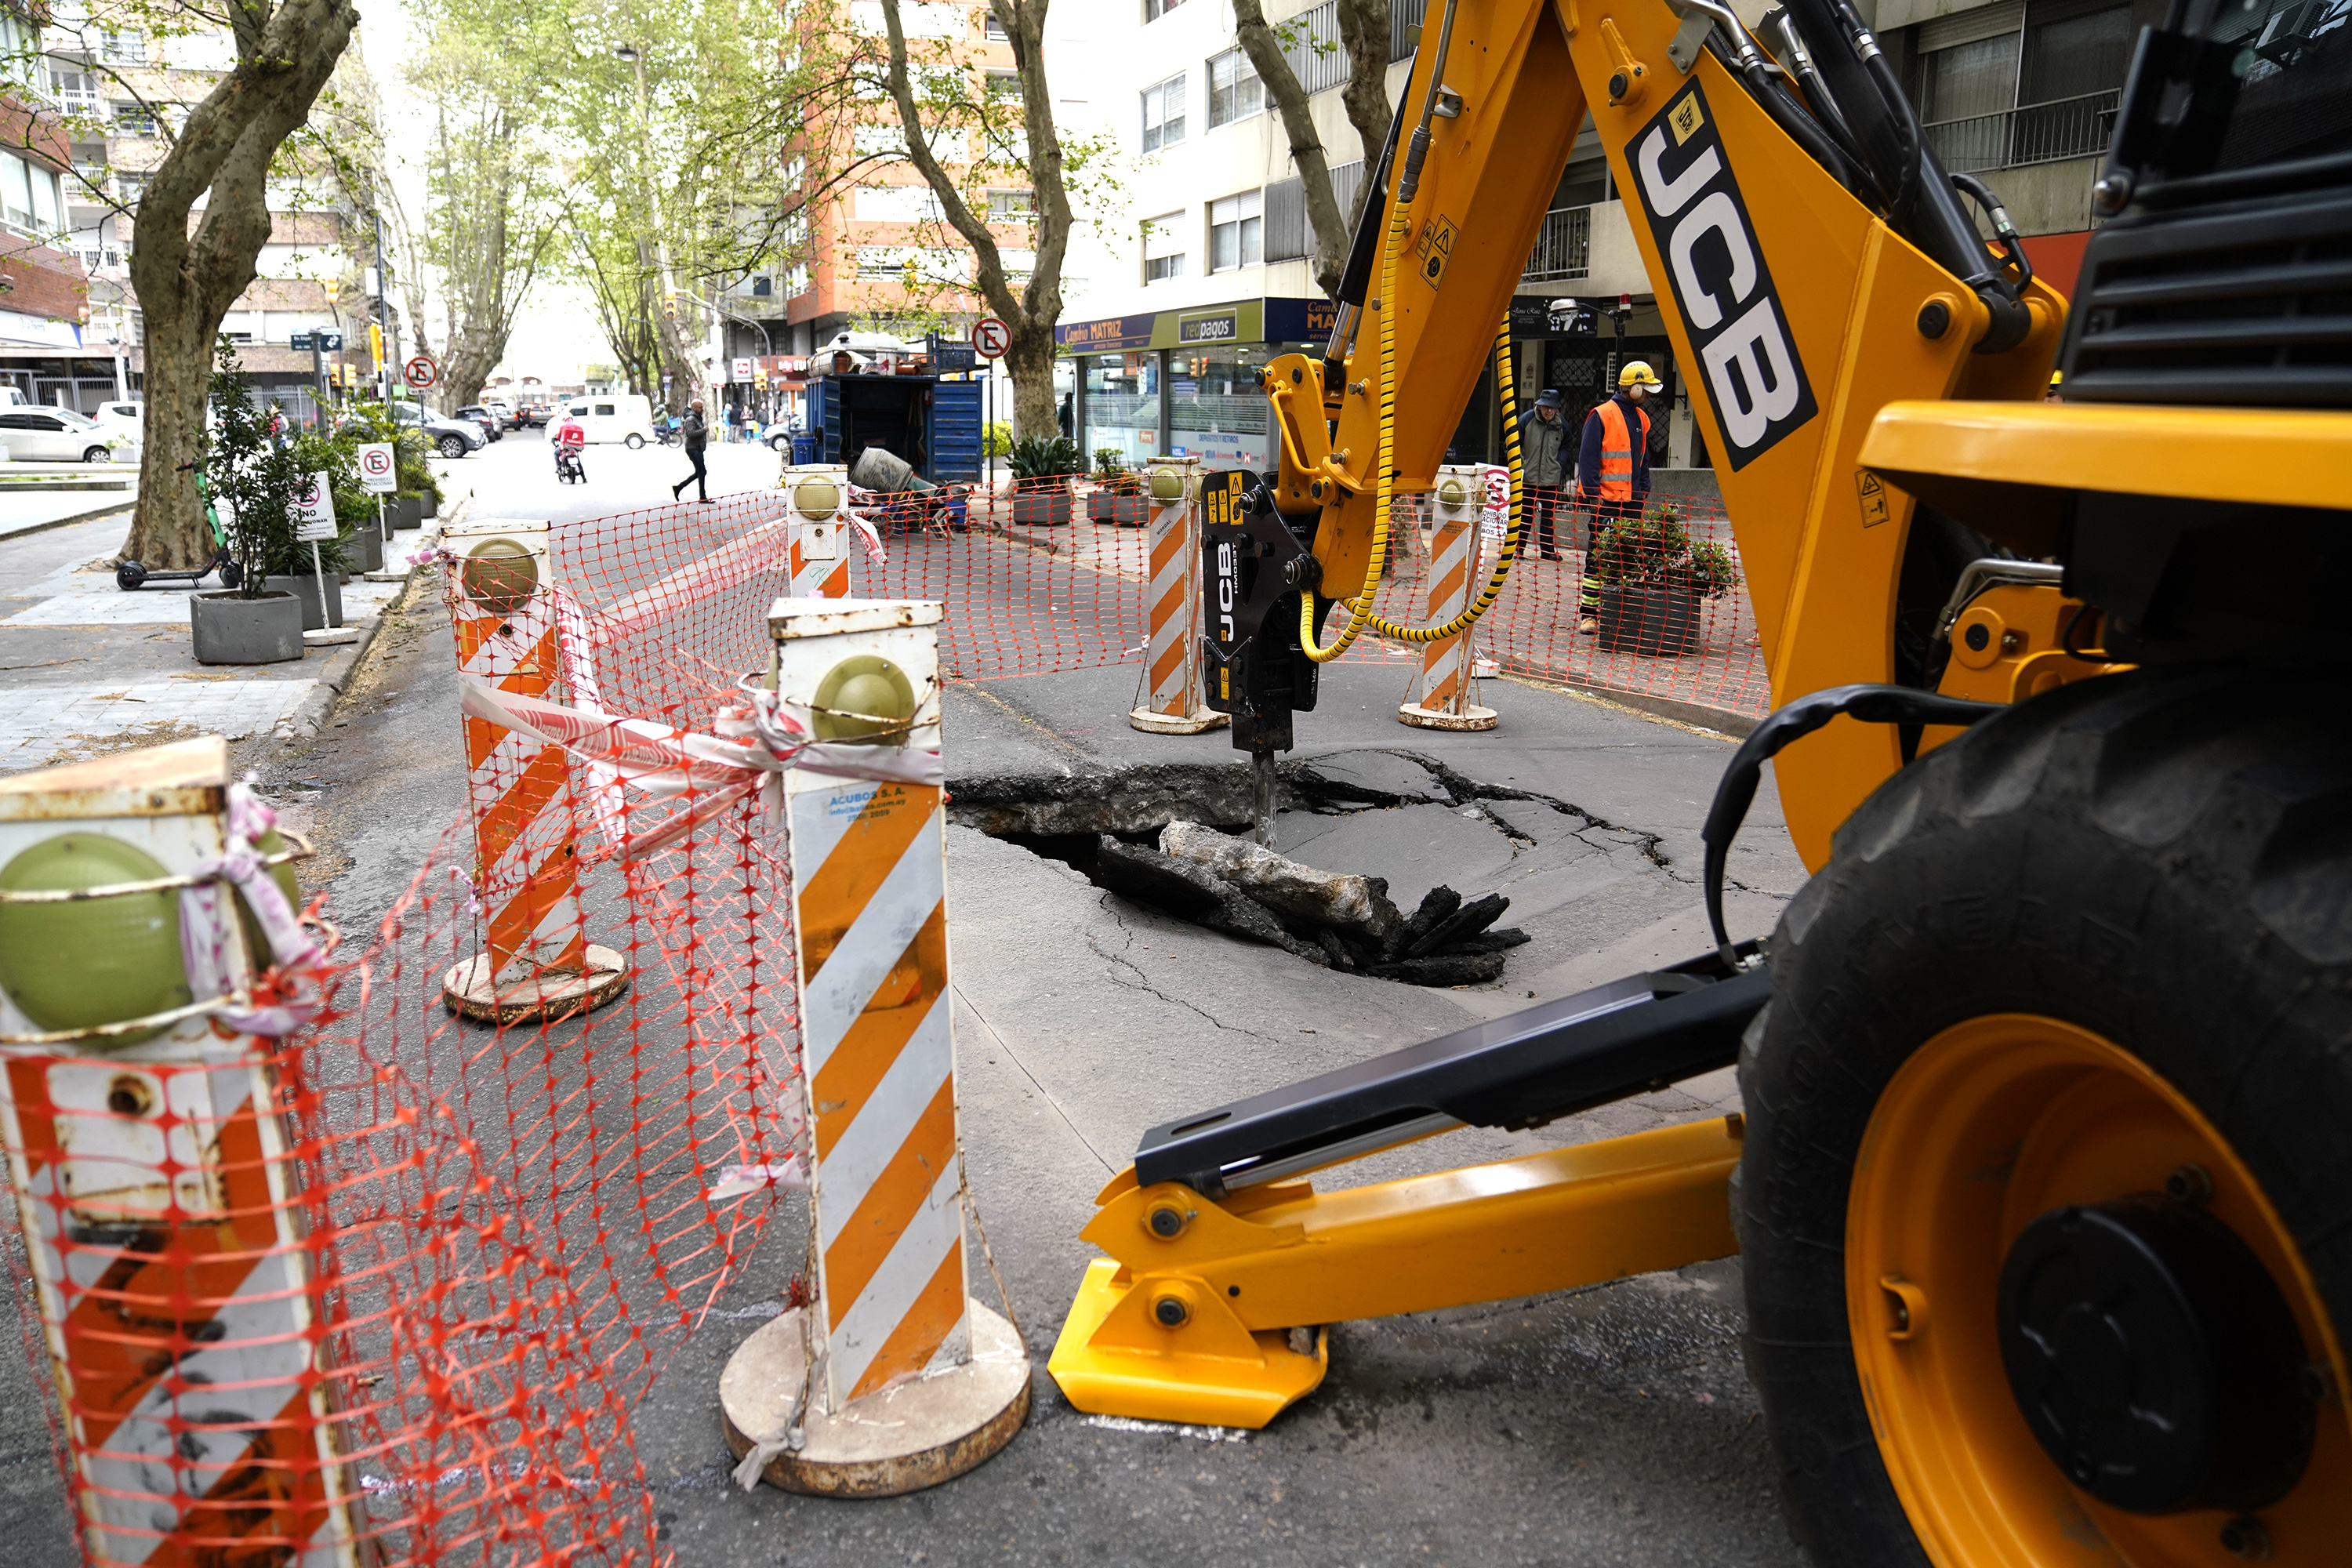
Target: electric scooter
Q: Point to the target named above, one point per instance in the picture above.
(129, 575)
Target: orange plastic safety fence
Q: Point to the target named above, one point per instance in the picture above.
(1053, 580)
(475, 1246)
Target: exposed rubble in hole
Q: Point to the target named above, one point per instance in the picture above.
(1170, 836)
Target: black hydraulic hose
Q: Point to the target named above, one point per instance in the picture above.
(1869, 121)
(1364, 249)
(1736, 792)
(1922, 206)
(1817, 96)
(1805, 131)
(2004, 232)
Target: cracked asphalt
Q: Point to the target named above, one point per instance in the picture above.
(1605, 1425)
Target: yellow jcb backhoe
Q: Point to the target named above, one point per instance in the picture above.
(2043, 1182)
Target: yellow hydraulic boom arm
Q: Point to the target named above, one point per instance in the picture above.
(1794, 302)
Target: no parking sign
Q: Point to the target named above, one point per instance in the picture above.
(376, 467)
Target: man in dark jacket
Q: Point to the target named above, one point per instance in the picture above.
(1544, 460)
(698, 434)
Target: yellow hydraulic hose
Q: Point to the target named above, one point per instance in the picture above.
(1359, 607)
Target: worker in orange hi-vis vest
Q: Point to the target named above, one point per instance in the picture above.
(1612, 470)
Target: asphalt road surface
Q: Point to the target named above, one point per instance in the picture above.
(1611, 1424)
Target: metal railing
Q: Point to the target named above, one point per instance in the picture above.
(2031, 133)
(1563, 247)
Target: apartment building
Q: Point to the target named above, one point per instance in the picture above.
(880, 253)
(111, 88)
(43, 348)
(1207, 277)
(1210, 281)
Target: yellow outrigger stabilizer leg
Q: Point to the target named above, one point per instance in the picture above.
(1223, 1268)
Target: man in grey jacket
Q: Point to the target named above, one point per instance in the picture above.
(1543, 466)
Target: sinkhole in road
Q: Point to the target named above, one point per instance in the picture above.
(1337, 891)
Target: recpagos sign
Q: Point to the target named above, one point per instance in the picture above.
(1720, 283)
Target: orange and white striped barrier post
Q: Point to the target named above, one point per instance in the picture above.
(893, 1378)
(1170, 688)
(168, 1236)
(535, 959)
(816, 498)
(1444, 692)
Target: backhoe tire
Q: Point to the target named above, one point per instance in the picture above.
(2158, 866)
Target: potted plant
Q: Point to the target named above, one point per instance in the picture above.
(406, 507)
(1043, 466)
(1118, 495)
(253, 480)
(1653, 577)
(291, 568)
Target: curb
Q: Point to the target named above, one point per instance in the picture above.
(21, 530)
(311, 715)
(1722, 721)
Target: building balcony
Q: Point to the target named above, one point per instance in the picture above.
(2034, 134)
(1590, 247)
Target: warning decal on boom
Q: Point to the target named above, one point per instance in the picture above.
(1745, 352)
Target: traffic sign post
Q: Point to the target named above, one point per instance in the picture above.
(990, 338)
(314, 520)
(378, 477)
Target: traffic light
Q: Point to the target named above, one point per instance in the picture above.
(375, 344)
(669, 306)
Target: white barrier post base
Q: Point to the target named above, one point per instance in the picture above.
(550, 993)
(1152, 723)
(1472, 717)
(914, 1435)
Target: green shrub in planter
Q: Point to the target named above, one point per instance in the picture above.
(1653, 579)
(1042, 469)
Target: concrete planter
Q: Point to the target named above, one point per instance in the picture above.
(363, 550)
(1659, 621)
(1127, 512)
(1051, 507)
(404, 510)
(230, 630)
(305, 589)
(429, 505)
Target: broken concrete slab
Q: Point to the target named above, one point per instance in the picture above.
(1192, 892)
(1342, 901)
(1377, 778)
(1465, 922)
(1414, 846)
(1125, 800)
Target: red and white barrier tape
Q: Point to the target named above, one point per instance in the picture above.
(753, 747)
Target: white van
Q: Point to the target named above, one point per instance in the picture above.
(614, 417)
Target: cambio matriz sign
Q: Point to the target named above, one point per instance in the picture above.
(1700, 226)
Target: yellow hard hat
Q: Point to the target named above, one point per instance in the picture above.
(1637, 373)
(2057, 377)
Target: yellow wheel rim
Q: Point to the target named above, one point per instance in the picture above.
(1992, 1123)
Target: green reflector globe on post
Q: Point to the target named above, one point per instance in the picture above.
(866, 700)
(91, 962)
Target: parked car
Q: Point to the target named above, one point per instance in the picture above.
(455, 438)
(540, 412)
(40, 435)
(481, 415)
(128, 419)
(780, 435)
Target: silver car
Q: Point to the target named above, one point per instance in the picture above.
(55, 436)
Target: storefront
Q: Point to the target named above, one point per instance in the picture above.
(1183, 384)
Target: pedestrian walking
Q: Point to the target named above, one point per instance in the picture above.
(1543, 467)
(697, 431)
(1613, 473)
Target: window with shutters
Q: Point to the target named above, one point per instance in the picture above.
(1234, 226)
(1234, 91)
(1164, 113)
(2021, 81)
(1163, 247)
